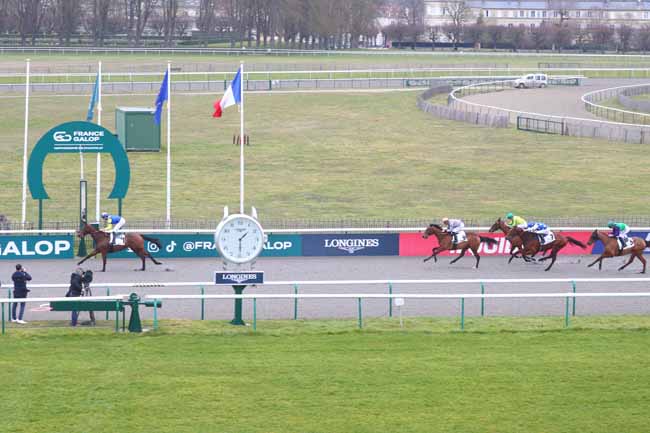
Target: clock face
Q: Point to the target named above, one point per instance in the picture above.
(239, 238)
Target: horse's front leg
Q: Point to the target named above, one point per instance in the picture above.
(434, 252)
(103, 262)
(632, 257)
(553, 256)
(94, 253)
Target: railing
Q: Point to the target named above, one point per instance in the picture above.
(616, 114)
(540, 125)
(573, 126)
(569, 297)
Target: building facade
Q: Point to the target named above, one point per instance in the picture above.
(533, 13)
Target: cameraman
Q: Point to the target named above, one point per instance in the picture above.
(76, 286)
(20, 278)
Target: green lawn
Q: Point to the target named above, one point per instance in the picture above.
(339, 156)
(507, 375)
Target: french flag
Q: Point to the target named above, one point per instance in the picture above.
(231, 97)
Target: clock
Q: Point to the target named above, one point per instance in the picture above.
(239, 238)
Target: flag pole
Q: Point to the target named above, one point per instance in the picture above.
(24, 203)
(98, 193)
(241, 141)
(169, 153)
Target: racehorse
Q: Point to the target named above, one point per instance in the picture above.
(515, 243)
(532, 246)
(610, 245)
(135, 241)
(445, 243)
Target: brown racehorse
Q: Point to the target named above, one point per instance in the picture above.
(134, 241)
(515, 243)
(445, 243)
(611, 249)
(532, 245)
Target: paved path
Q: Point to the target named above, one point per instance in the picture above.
(353, 268)
(554, 100)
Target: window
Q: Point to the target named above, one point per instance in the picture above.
(532, 14)
(577, 14)
(486, 13)
(532, 26)
(556, 14)
(510, 25)
(522, 13)
(543, 14)
(589, 14)
(646, 15)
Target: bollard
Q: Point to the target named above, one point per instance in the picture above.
(3, 319)
(117, 316)
(202, 304)
(390, 300)
(155, 314)
(9, 295)
(462, 314)
(254, 314)
(482, 300)
(574, 298)
(295, 302)
(360, 321)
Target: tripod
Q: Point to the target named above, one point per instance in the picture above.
(85, 291)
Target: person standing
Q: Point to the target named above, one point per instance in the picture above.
(76, 280)
(20, 278)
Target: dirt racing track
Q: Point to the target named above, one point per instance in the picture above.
(354, 268)
(561, 101)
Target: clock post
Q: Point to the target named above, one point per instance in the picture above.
(239, 239)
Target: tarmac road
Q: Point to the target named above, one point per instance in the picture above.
(351, 268)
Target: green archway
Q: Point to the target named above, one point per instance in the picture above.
(75, 137)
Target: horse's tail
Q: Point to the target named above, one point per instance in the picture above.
(489, 241)
(576, 242)
(152, 240)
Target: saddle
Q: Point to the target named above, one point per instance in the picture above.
(546, 239)
(629, 243)
(118, 240)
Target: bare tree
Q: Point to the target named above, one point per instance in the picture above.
(137, 15)
(183, 23)
(494, 35)
(67, 18)
(29, 17)
(625, 36)
(459, 14)
(601, 35)
(169, 14)
(642, 38)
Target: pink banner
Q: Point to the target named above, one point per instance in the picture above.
(412, 244)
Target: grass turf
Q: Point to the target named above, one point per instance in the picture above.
(506, 375)
(345, 155)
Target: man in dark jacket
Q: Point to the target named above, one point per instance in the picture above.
(74, 291)
(20, 278)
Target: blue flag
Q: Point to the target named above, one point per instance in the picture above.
(93, 100)
(162, 97)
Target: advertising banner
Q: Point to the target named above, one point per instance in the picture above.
(202, 245)
(412, 244)
(36, 247)
(350, 245)
(598, 247)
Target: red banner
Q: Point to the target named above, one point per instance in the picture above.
(412, 244)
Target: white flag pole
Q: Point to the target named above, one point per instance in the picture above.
(24, 203)
(241, 140)
(169, 152)
(98, 193)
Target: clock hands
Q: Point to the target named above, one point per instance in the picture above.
(240, 239)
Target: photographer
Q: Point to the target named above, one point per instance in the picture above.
(20, 278)
(76, 287)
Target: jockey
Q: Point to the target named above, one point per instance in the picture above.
(453, 226)
(540, 229)
(515, 221)
(113, 223)
(619, 231)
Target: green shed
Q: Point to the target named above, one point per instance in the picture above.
(136, 129)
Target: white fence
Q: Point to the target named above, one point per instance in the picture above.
(569, 296)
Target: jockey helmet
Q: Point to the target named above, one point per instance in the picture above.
(610, 224)
(509, 215)
(445, 220)
(104, 215)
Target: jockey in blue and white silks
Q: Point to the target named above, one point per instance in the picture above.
(112, 225)
(537, 228)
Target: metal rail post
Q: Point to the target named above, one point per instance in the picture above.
(254, 314)
(462, 314)
(566, 312)
(360, 321)
(390, 300)
(482, 300)
(295, 302)
(202, 303)
(155, 314)
(108, 293)
(573, 313)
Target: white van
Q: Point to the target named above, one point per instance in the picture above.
(531, 80)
